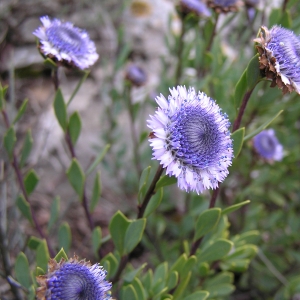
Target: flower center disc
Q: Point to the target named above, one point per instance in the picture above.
(65, 38)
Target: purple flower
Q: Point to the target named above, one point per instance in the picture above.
(279, 51)
(267, 145)
(195, 6)
(224, 6)
(73, 279)
(66, 43)
(191, 139)
(136, 75)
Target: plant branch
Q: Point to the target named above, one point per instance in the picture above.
(150, 192)
(15, 165)
(4, 246)
(238, 120)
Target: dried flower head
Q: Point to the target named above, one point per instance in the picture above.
(194, 6)
(224, 6)
(191, 139)
(73, 279)
(279, 57)
(267, 145)
(136, 75)
(65, 43)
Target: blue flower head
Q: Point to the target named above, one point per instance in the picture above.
(136, 75)
(194, 6)
(190, 138)
(65, 43)
(267, 146)
(224, 6)
(73, 279)
(279, 57)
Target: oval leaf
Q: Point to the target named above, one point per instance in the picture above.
(238, 139)
(117, 227)
(134, 234)
(22, 270)
(76, 177)
(206, 222)
(234, 207)
(64, 237)
(215, 251)
(60, 110)
(74, 127)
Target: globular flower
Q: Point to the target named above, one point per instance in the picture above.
(224, 6)
(194, 6)
(267, 145)
(136, 75)
(73, 279)
(279, 57)
(190, 138)
(65, 43)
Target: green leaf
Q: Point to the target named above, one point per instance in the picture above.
(31, 294)
(24, 207)
(217, 250)
(21, 111)
(98, 159)
(74, 127)
(117, 228)
(206, 222)
(138, 287)
(262, 127)
(128, 277)
(64, 237)
(9, 141)
(246, 251)
(76, 177)
(34, 242)
(203, 269)
(82, 80)
(286, 19)
(30, 181)
(121, 59)
(22, 270)
(240, 90)
(112, 262)
(27, 145)
(275, 17)
(154, 202)
(238, 139)
(221, 278)
(42, 256)
(61, 254)
(234, 207)
(200, 295)
(134, 234)
(191, 262)
(165, 181)
(54, 212)
(2, 95)
(60, 110)
(96, 192)
(179, 263)
(253, 72)
(182, 286)
(236, 265)
(129, 293)
(39, 271)
(221, 290)
(96, 240)
(143, 183)
(160, 273)
(172, 280)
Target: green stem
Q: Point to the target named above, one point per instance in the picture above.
(179, 53)
(133, 131)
